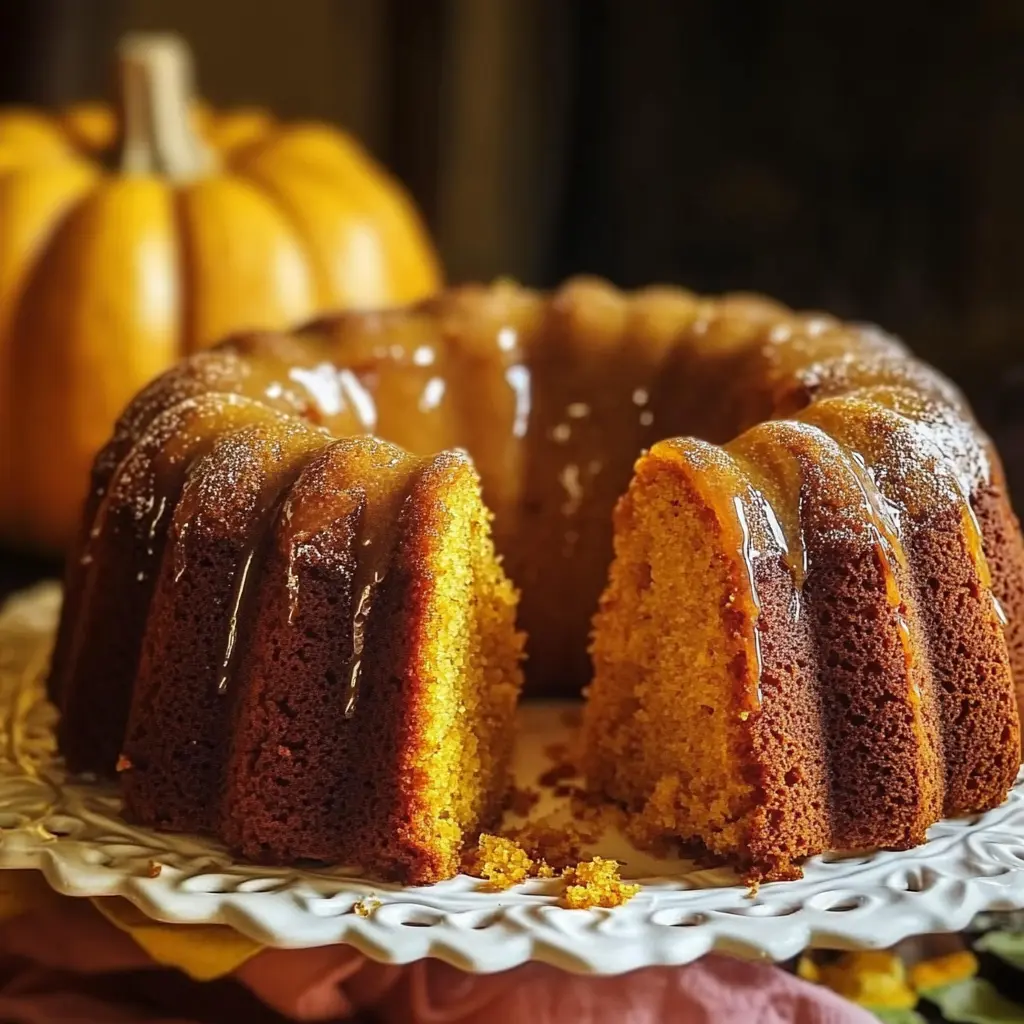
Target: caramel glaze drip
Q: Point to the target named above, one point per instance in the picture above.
(739, 513)
(207, 372)
(240, 593)
(454, 372)
(961, 452)
(775, 494)
(296, 452)
(976, 550)
(290, 375)
(808, 357)
(157, 467)
(366, 584)
(375, 542)
(791, 541)
(374, 545)
(750, 553)
(892, 440)
(368, 490)
(776, 487)
(882, 520)
(777, 471)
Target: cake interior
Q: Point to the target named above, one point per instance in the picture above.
(663, 735)
(469, 660)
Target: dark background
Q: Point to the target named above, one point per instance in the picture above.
(867, 159)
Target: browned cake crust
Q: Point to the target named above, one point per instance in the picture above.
(116, 572)
(175, 741)
(220, 373)
(878, 719)
(788, 748)
(1004, 553)
(336, 799)
(965, 646)
(898, 664)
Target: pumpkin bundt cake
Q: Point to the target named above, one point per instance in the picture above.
(807, 639)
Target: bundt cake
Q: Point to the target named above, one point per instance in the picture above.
(806, 641)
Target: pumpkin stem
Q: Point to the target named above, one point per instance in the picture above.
(155, 85)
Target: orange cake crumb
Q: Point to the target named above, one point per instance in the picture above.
(502, 862)
(557, 773)
(592, 809)
(522, 801)
(153, 869)
(596, 883)
(558, 753)
(123, 764)
(364, 908)
(559, 843)
(564, 766)
(647, 835)
(566, 789)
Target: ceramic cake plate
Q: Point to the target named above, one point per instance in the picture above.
(71, 830)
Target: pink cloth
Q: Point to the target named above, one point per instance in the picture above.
(71, 965)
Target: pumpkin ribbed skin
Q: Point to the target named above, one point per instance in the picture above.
(108, 275)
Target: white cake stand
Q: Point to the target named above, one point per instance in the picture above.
(72, 832)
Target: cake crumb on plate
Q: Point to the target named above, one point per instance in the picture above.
(596, 883)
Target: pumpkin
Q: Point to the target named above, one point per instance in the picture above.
(129, 240)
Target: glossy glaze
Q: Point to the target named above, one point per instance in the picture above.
(554, 399)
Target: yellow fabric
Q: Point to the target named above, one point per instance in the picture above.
(871, 978)
(944, 970)
(204, 952)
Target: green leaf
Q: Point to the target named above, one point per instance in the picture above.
(1008, 946)
(898, 1016)
(974, 1001)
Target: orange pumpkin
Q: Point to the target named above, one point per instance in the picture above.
(128, 241)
